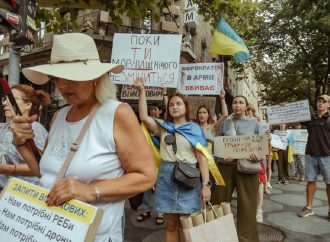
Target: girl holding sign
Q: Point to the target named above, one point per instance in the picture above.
(30, 102)
(245, 184)
(179, 140)
(204, 118)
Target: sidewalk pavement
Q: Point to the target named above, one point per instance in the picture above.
(280, 211)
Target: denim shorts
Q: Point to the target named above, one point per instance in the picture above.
(317, 165)
(170, 197)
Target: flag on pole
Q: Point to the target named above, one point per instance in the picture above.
(225, 41)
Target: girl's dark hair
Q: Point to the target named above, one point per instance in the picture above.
(37, 98)
(168, 117)
(246, 101)
(208, 111)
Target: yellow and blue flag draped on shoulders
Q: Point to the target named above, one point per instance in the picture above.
(154, 143)
(194, 134)
(290, 148)
(225, 41)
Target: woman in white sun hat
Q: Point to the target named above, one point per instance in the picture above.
(113, 160)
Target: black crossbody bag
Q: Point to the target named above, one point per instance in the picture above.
(183, 174)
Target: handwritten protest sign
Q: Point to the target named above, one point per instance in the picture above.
(289, 113)
(201, 78)
(241, 146)
(284, 138)
(155, 57)
(131, 93)
(300, 140)
(26, 217)
(196, 101)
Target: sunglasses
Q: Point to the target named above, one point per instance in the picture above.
(3, 99)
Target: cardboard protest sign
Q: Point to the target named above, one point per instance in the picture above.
(201, 78)
(131, 93)
(284, 138)
(26, 217)
(241, 146)
(196, 101)
(154, 57)
(300, 140)
(289, 113)
(276, 142)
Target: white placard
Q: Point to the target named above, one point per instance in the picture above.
(154, 57)
(300, 140)
(289, 113)
(26, 217)
(284, 138)
(201, 78)
(196, 101)
(277, 143)
(241, 146)
(131, 93)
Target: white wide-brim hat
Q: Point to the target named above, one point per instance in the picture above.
(74, 57)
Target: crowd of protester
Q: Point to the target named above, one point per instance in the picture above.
(115, 162)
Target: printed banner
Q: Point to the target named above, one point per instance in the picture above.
(196, 101)
(201, 78)
(300, 140)
(276, 142)
(284, 138)
(154, 57)
(131, 93)
(26, 217)
(241, 146)
(289, 113)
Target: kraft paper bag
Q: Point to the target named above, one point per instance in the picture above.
(221, 229)
(186, 222)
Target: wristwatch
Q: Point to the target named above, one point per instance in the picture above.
(207, 183)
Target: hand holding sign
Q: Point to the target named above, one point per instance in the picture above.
(68, 189)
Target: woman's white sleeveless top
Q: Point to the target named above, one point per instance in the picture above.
(95, 159)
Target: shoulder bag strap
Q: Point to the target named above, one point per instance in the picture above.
(75, 145)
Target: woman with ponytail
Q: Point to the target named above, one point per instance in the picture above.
(30, 103)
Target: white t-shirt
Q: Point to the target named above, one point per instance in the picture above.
(95, 159)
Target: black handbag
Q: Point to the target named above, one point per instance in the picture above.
(183, 174)
(136, 201)
(186, 175)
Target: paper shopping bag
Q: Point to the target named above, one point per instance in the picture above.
(221, 229)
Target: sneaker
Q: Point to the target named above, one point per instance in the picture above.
(305, 212)
(269, 186)
(259, 216)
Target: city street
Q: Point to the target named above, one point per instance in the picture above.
(280, 212)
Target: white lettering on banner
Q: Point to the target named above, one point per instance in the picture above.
(196, 101)
(201, 78)
(289, 113)
(152, 57)
(26, 217)
(131, 93)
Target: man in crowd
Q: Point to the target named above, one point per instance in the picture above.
(317, 153)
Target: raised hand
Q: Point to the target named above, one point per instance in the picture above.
(139, 84)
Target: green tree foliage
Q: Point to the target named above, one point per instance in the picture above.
(289, 41)
(54, 18)
(295, 40)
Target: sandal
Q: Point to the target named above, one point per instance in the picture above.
(143, 216)
(159, 221)
(266, 191)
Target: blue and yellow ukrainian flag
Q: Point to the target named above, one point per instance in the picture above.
(154, 143)
(225, 41)
(194, 134)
